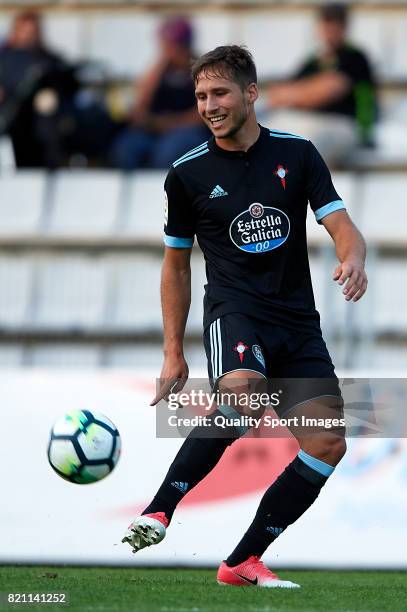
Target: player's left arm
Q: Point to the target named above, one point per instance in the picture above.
(351, 252)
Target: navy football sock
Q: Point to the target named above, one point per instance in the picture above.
(194, 460)
(294, 491)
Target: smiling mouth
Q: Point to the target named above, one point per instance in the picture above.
(217, 120)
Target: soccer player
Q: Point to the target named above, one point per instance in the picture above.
(244, 194)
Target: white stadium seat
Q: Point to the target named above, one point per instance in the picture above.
(266, 35)
(65, 355)
(383, 215)
(85, 203)
(370, 32)
(198, 280)
(22, 198)
(137, 283)
(15, 292)
(214, 29)
(71, 292)
(126, 43)
(4, 25)
(388, 293)
(140, 355)
(65, 33)
(382, 35)
(145, 355)
(145, 205)
(11, 355)
(399, 51)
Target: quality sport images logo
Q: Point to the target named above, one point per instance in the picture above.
(259, 229)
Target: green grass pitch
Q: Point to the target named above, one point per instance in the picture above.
(195, 590)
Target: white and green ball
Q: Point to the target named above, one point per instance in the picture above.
(84, 447)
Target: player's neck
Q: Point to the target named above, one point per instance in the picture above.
(243, 139)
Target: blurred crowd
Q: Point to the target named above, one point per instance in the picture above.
(55, 119)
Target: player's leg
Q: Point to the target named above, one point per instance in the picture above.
(296, 489)
(200, 453)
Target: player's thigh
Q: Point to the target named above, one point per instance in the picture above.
(311, 391)
(235, 358)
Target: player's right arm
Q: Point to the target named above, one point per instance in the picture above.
(175, 302)
(179, 230)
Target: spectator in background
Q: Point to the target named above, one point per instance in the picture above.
(164, 122)
(331, 99)
(35, 85)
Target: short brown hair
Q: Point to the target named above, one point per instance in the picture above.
(336, 12)
(230, 61)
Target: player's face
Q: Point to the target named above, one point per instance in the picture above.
(331, 33)
(222, 104)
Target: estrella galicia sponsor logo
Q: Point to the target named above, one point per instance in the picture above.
(259, 229)
(257, 352)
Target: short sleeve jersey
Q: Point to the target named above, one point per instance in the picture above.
(248, 212)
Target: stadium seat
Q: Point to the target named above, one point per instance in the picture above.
(389, 296)
(144, 355)
(372, 33)
(145, 204)
(383, 215)
(137, 293)
(71, 292)
(11, 355)
(85, 203)
(22, 199)
(214, 29)
(399, 49)
(15, 293)
(126, 43)
(198, 280)
(66, 355)
(266, 35)
(65, 33)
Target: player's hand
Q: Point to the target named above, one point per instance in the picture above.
(174, 375)
(352, 273)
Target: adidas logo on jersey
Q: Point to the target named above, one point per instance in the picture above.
(181, 486)
(218, 192)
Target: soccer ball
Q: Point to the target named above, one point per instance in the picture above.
(84, 447)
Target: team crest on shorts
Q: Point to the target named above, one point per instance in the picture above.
(258, 353)
(240, 348)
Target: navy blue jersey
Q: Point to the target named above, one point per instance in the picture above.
(248, 212)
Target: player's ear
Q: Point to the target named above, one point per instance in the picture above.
(252, 93)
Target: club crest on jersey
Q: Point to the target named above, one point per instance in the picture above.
(240, 348)
(281, 172)
(259, 229)
(258, 353)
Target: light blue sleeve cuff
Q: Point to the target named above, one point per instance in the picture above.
(178, 243)
(328, 209)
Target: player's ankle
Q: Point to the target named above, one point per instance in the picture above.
(159, 516)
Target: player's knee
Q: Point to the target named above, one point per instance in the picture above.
(337, 449)
(326, 447)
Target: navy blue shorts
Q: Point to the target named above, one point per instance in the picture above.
(238, 342)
